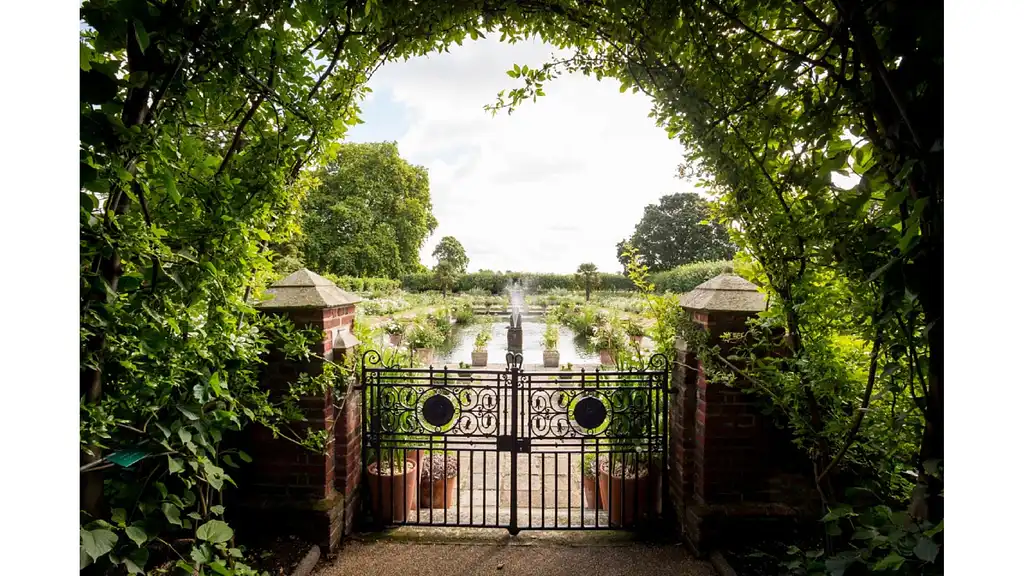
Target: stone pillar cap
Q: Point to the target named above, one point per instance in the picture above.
(306, 289)
(726, 292)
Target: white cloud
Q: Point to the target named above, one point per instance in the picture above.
(557, 183)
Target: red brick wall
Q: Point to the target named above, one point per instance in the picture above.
(728, 459)
(292, 490)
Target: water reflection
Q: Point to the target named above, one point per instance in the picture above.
(460, 345)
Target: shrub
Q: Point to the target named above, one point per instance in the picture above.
(355, 284)
(425, 335)
(482, 338)
(464, 313)
(383, 306)
(441, 320)
(551, 337)
(608, 337)
(393, 327)
(688, 276)
(633, 328)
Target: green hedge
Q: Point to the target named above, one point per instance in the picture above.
(686, 277)
(354, 284)
(496, 282)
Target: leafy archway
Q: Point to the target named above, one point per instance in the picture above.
(199, 120)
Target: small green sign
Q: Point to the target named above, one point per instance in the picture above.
(126, 458)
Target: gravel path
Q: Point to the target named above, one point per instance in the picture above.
(503, 558)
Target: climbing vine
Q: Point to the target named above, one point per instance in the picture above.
(202, 121)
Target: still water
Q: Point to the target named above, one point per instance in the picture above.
(460, 345)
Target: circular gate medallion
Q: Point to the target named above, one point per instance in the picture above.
(589, 413)
(438, 410)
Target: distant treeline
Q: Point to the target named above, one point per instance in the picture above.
(679, 279)
(496, 282)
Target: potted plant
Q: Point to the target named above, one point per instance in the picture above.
(392, 482)
(423, 338)
(394, 329)
(592, 496)
(625, 486)
(608, 341)
(438, 480)
(480, 347)
(551, 346)
(634, 330)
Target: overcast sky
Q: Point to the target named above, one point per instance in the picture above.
(557, 183)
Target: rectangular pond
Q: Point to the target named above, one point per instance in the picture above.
(459, 347)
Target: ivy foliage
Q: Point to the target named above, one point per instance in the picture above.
(202, 124)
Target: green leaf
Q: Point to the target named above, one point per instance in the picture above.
(185, 435)
(98, 542)
(119, 516)
(245, 457)
(136, 561)
(217, 509)
(215, 384)
(83, 558)
(220, 569)
(174, 465)
(188, 413)
(890, 369)
(837, 566)
(172, 513)
(838, 512)
(138, 535)
(891, 562)
(141, 35)
(84, 57)
(926, 549)
(172, 188)
(201, 554)
(215, 531)
(263, 234)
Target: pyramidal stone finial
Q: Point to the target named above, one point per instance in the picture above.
(306, 289)
(726, 292)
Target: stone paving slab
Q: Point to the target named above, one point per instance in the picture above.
(584, 558)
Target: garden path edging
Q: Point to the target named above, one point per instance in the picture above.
(308, 562)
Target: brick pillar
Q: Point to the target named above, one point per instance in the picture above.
(290, 490)
(723, 450)
(347, 453)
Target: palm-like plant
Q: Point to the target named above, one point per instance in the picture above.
(587, 277)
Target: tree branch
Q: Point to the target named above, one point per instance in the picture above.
(859, 417)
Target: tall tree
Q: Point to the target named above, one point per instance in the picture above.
(370, 215)
(451, 262)
(677, 231)
(587, 278)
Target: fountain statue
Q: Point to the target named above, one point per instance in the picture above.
(515, 321)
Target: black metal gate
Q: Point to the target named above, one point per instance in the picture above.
(513, 448)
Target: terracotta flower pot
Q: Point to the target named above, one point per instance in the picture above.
(551, 358)
(606, 357)
(395, 339)
(479, 358)
(592, 496)
(625, 499)
(390, 494)
(637, 338)
(425, 355)
(416, 457)
(438, 493)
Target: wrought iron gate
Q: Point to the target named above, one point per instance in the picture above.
(514, 448)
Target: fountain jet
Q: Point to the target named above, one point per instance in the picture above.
(515, 321)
